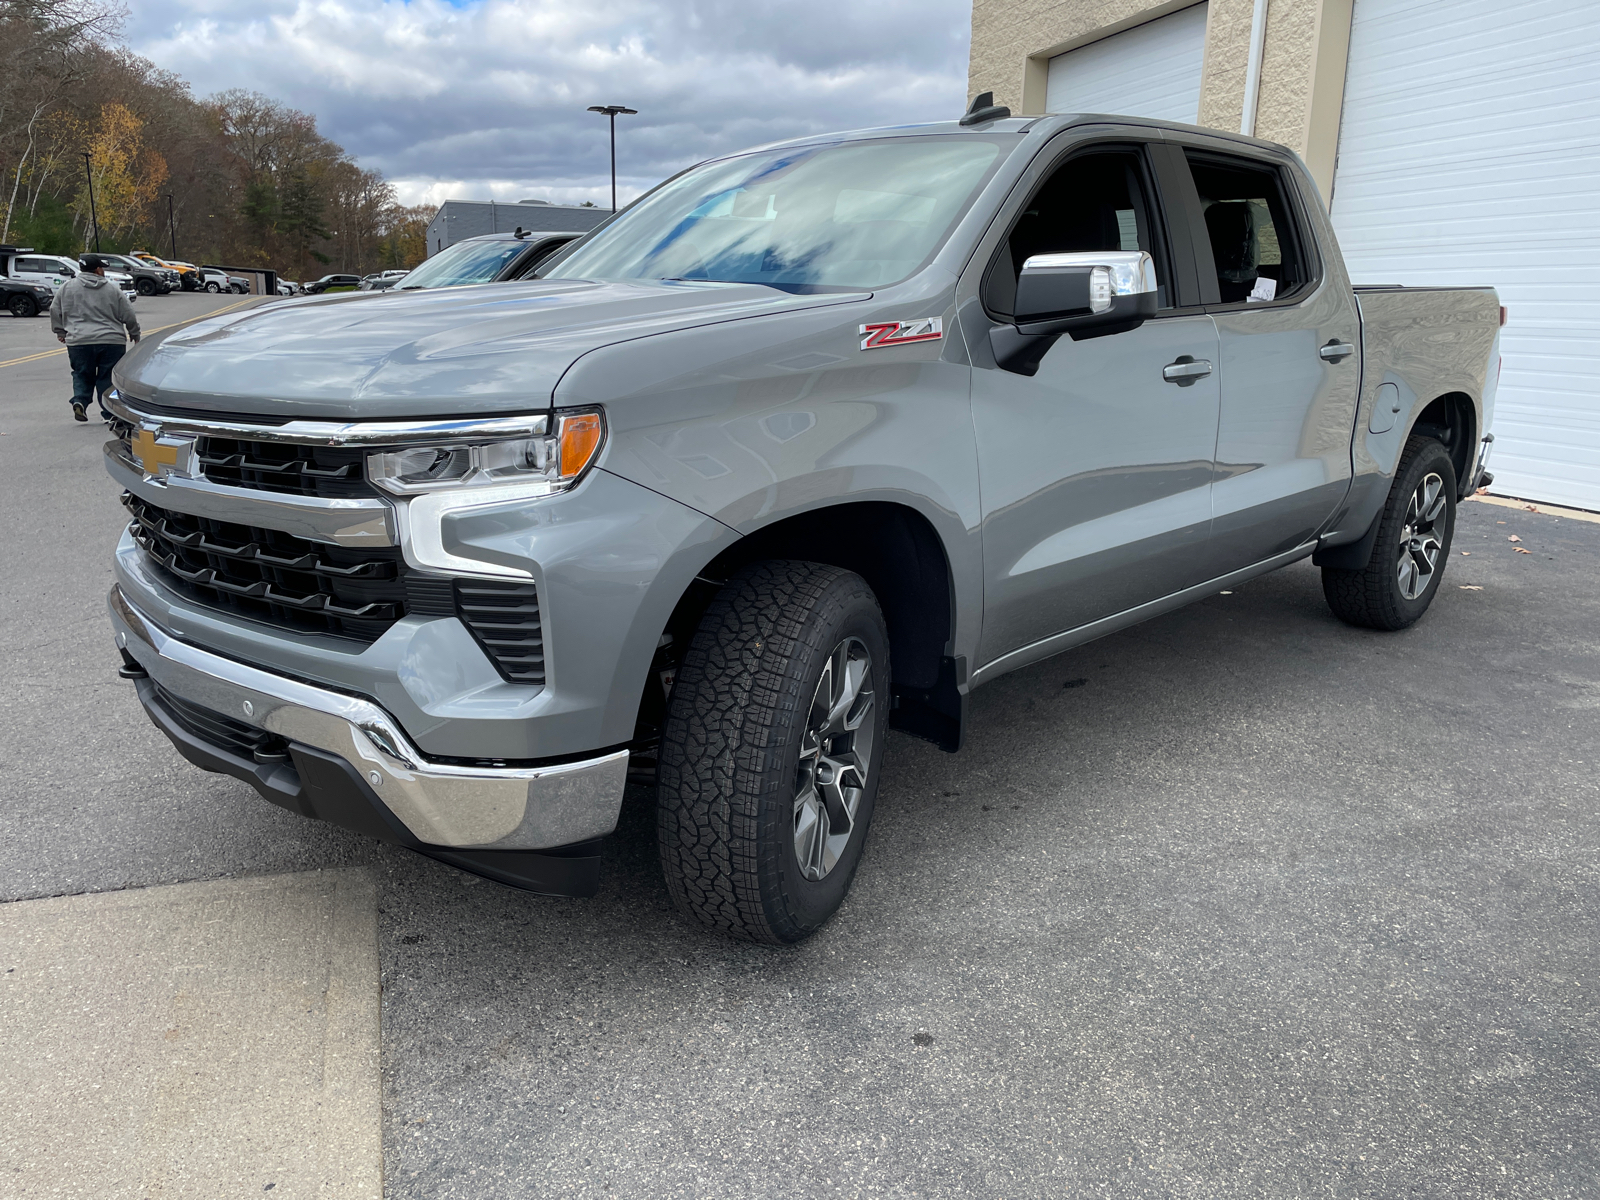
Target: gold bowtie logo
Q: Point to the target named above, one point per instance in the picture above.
(157, 455)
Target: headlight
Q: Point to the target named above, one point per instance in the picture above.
(446, 481)
(553, 460)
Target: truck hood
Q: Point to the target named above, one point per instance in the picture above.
(493, 348)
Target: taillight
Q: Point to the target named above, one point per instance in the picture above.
(1502, 314)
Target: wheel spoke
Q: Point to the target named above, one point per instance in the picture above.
(809, 834)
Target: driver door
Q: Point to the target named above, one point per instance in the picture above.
(1096, 472)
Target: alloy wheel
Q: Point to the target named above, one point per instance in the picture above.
(835, 755)
(1420, 543)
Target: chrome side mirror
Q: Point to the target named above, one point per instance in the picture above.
(1084, 295)
(1057, 293)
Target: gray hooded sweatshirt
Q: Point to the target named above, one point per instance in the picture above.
(92, 311)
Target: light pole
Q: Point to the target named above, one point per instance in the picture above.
(172, 226)
(93, 218)
(613, 111)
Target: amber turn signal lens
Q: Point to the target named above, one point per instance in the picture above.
(580, 438)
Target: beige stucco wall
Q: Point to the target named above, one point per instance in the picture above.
(1302, 65)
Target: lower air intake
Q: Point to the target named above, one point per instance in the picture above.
(504, 617)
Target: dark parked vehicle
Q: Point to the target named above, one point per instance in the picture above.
(148, 279)
(23, 299)
(492, 258)
(332, 282)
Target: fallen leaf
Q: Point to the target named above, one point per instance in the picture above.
(1471, 587)
(1513, 538)
(1226, 593)
(1520, 550)
(1466, 554)
(1483, 491)
(1531, 507)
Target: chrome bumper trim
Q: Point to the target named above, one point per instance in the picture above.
(340, 522)
(509, 808)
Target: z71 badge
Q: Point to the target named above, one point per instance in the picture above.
(901, 333)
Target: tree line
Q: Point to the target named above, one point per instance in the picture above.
(236, 178)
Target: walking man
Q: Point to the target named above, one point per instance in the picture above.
(90, 314)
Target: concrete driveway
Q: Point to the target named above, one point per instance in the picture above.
(1241, 902)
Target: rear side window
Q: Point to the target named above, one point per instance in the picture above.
(1255, 244)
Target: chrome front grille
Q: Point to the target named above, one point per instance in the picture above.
(288, 468)
(271, 576)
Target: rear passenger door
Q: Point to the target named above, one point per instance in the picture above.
(1289, 368)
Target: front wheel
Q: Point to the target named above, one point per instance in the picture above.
(770, 756)
(1408, 559)
(145, 287)
(23, 306)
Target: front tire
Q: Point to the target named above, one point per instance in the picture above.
(145, 287)
(1408, 559)
(771, 751)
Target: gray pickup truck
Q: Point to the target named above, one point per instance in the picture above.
(798, 449)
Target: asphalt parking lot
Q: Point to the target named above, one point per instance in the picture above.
(1240, 902)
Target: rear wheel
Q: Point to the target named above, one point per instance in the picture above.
(1408, 559)
(211, 287)
(771, 751)
(23, 306)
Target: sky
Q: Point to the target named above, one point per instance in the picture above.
(486, 99)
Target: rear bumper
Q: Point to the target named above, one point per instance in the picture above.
(342, 758)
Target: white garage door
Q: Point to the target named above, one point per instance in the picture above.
(1152, 70)
(1468, 155)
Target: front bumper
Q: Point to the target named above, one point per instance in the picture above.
(342, 758)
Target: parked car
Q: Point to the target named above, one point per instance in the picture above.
(53, 270)
(492, 258)
(801, 447)
(188, 274)
(382, 281)
(148, 280)
(333, 283)
(213, 279)
(287, 287)
(239, 284)
(23, 299)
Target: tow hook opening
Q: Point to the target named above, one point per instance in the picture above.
(130, 668)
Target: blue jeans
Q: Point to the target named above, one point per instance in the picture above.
(91, 370)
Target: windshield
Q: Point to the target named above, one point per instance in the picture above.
(843, 216)
(465, 262)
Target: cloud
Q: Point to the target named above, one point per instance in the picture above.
(487, 99)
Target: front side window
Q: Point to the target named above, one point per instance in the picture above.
(1254, 245)
(847, 216)
(1095, 201)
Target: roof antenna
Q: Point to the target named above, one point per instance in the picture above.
(520, 233)
(985, 109)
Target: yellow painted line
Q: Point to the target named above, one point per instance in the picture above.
(28, 358)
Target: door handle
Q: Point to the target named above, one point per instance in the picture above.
(1186, 370)
(1336, 351)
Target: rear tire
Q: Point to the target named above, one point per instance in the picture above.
(23, 306)
(213, 288)
(771, 751)
(1401, 579)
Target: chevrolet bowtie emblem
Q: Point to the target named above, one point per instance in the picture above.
(162, 454)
